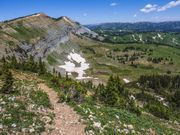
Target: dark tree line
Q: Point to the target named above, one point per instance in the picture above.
(28, 64)
(8, 81)
(9, 63)
(168, 86)
(158, 82)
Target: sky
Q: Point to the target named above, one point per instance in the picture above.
(95, 11)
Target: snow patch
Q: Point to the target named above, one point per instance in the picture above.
(159, 35)
(154, 37)
(76, 57)
(71, 67)
(174, 41)
(141, 38)
(134, 38)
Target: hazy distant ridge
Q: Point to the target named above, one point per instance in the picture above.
(173, 26)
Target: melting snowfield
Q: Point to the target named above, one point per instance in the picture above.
(159, 35)
(71, 65)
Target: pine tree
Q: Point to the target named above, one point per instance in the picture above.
(118, 85)
(3, 60)
(31, 65)
(99, 92)
(41, 66)
(14, 63)
(67, 77)
(54, 71)
(176, 98)
(110, 94)
(8, 82)
(59, 75)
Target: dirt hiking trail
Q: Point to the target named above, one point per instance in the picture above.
(66, 121)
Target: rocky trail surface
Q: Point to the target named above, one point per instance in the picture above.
(66, 121)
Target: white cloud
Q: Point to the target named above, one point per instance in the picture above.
(113, 4)
(85, 14)
(169, 5)
(135, 15)
(149, 8)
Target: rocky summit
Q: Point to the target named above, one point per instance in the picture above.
(38, 34)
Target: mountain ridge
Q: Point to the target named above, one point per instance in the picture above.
(172, 26)
(18, 31)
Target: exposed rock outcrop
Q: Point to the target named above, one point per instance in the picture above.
(38, 34)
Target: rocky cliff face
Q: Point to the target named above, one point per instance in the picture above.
(38, 35)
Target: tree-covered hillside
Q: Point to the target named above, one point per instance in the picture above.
(139, 26)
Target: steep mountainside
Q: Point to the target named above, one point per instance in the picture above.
(37, 34)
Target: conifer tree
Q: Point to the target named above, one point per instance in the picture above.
(31, 64)
(8, 81)
(14, 63)
(59, 75)
(41, 66)
(176, 98)
(110, 94)
(67, 77)
(3, 60)
(54, 71)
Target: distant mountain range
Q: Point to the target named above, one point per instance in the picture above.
(164, 33)
(173, 26)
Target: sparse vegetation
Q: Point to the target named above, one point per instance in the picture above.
(25, 34)
(51, 60)
(21, 110)
(40, 98)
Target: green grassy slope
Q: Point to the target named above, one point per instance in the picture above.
(23, 110)
(129, 60)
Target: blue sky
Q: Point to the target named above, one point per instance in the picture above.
(95, 11)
